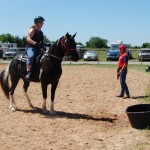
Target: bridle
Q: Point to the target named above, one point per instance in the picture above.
(65, 45)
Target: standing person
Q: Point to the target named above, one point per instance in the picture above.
(122, 71)
(34, 39)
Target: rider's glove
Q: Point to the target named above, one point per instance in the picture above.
(38, 45)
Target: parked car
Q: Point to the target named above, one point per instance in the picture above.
(9, 53)
(1, 53)
(90, 55)
(114, 54)
(80, 50)
(144, 54)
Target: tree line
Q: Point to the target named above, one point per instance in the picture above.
(21, 42)
(94, 42)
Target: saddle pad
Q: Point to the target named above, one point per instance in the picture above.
(22, 57)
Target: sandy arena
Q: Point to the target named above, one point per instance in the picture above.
(89, 116)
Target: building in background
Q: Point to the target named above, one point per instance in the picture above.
(8, 45)
(115, 45)
(9, 50)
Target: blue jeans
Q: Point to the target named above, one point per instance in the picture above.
(124, 87)
(31, 54)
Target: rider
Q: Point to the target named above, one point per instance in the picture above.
(35, 39)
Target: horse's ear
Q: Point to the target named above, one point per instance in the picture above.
(67, 35)
(74, 35)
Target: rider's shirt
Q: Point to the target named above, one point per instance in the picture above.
(37, 37)
(122, 59)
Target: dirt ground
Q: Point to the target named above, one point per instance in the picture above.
(89, 116)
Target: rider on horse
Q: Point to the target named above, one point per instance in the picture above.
(35, 39)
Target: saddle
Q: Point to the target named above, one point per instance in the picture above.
(35, 71)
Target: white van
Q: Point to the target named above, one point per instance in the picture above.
(144, 54)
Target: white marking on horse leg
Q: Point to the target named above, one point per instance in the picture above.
(28, 99)
(44, 106)
(12, 108)
(41, 70)
(6, 72)
(52, 112)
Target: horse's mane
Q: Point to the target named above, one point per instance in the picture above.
(54, 45)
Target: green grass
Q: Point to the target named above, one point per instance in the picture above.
(134, 55)
(141, 68)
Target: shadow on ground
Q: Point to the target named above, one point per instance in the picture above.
(61, 114)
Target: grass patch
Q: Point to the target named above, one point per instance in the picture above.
(141, 68)
(147, 92)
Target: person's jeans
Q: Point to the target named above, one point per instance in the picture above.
(124, 87)
(31, 53)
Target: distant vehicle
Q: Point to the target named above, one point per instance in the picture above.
(79, 46)
(66, 58)
(8, 45)
(12, 52)
(90, 55)
(114, 54)
(1, 53)
(80, 50)
(9, 53)
(144, 54)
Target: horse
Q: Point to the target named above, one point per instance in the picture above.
(49, 72)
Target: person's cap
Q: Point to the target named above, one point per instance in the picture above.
(122, 47)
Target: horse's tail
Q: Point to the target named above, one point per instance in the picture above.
(4, 81)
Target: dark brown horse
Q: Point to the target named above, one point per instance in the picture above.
(49, 71)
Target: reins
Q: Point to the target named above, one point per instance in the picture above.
(47, 54)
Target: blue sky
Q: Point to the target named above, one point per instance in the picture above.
(126, 20)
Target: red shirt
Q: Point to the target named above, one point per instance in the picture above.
(122, 59)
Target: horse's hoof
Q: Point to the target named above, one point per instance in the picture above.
(45, 111)
(31, 106)
(52, 113)
(12, 109)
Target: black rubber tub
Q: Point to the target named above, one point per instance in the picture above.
(139, 115)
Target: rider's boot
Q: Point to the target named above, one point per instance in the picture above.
(28, 75)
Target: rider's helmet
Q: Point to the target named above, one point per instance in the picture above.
(122, 47)
(38, 19)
